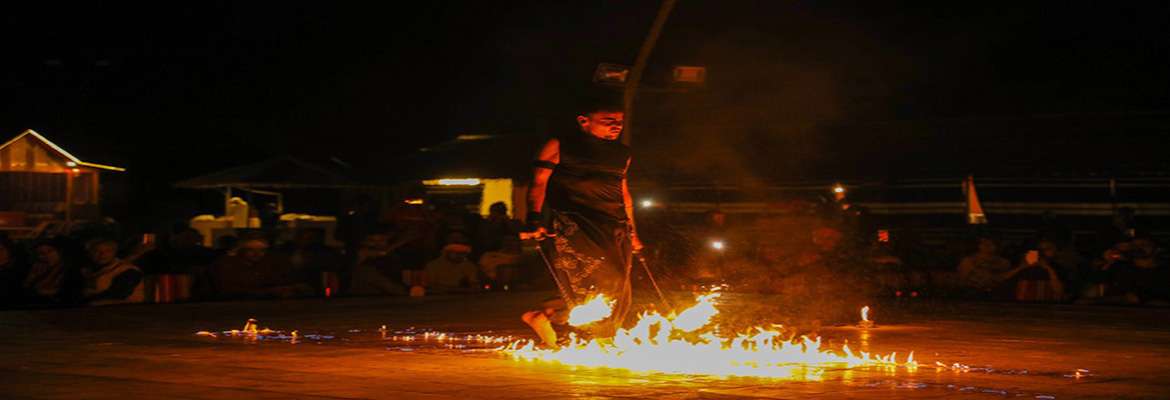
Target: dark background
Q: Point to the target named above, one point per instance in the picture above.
(796, 89)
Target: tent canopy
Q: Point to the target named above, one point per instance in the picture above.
(276, 173)
(471, 156)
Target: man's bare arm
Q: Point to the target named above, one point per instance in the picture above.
(548, 157)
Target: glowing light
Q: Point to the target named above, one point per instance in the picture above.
(865, 313)
(453, 182)
(647, 203)
(70, 164)
(690, 343)
(593, 310)
(413, 201)
(838, 189)
(718, 245)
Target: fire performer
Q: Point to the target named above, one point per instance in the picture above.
(580, 201)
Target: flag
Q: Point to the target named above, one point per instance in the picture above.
(975, 214)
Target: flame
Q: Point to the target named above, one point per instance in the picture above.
(698, 315)
(865, 313)
(688, 344)
(594, 309)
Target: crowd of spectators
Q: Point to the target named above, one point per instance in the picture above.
(415, 251)
(448, 249)
(828, 251)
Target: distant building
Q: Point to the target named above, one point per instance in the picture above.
(42, 183)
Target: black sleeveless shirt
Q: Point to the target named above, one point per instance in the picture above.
(588, 179)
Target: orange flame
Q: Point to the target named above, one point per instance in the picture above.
(594, 309)
(687, 344)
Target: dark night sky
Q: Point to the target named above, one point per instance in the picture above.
(176, 90)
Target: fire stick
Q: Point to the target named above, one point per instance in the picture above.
(565, 294)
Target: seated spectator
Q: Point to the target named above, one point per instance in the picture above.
(1131, 272)
(1153, 268)
(495, 229)
(452, 271)
(499, 266)
(984, 272)
(48, 278)
(12, 273)
(378, 270)
(1038, 275)
(309, 256)
(225, 245)
(253, 272)
(182, 253)
(109, 280)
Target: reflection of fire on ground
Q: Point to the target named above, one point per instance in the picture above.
(690, 342)
(252, 332)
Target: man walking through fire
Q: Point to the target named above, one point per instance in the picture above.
(579, 200)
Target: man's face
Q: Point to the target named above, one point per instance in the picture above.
(456, 256)
(48, 255)
(377, 241)
(253, 251)
(1048, 249)
(605, 125)
(1147, 246)
(986, 247)
(103, 253)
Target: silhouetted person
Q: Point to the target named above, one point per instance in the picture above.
(378, 270)
(253, 272)
(309, 256)
(1038, 275)
(47, 281)
(13, 269)
(453, 271)
(108, 279)
(984, 272)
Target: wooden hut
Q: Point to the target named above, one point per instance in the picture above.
(42, 183)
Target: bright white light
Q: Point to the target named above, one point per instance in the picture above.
(647, 203)
(838, 189)
(70, 164)
(717, 245)
(453, 182)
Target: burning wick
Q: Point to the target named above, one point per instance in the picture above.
(865, 322)
(250, 326)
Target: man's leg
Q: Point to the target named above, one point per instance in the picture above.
(552, 311)
(615, 281)
(540, 323)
